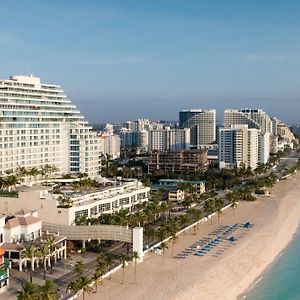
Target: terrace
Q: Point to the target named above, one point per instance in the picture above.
(69, 196)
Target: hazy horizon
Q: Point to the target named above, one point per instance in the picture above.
(126, 60)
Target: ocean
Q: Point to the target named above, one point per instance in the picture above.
(282, 280)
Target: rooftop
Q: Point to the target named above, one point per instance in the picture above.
(22, 218)
(178, 181)
(19, 246)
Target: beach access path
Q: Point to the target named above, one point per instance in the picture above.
(230, 274)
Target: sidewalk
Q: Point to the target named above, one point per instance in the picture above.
(62, 275)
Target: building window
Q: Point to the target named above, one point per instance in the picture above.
(81, 213)
(124, 201)
(104, 207)
(93, 211)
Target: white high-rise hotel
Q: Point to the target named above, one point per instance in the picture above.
(169, 139)
(238, 145)
(39, 125)
(255, 127)
(202, 124)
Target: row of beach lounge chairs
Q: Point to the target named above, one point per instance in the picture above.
(207, 244)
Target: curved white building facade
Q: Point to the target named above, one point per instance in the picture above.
(40, 126)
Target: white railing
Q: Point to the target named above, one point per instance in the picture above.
(118, 267)
(115, 269)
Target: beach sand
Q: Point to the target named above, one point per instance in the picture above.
(227, 276)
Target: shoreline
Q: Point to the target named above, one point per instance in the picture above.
(244, 295)
(232, 274)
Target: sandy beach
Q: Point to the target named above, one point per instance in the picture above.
(226, 276)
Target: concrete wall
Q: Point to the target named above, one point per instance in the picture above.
(34, 200)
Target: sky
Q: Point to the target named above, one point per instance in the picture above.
(121, 60)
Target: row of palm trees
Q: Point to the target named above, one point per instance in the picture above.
(31, 291)
(113, 169)
(12, 178)
(157, 213)
(158, 225)
(207, 204)
(46, 251)
(86, 284)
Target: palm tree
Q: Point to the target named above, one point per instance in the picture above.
(33, 172)
(79, 268)
(136, 219)
(164, 207)
(126, 172)
(44, 254)
(12, 180)
(209, 208)
(109, 262)
(161, 233)
(150, 234)
(164, 246)
(47, 291)
(184, 220)
(219, 204)
(84, 283)
(22, 171)
(65, 201)
(196, 215)
(9, 172)
(73, 286)
(122, 217)
(101, 264)
(174, 239)
(123, 259)
(47, 169)
(233, 201)
(157, 197)
(135, 256)
(97, 278)
(187, 202)
(51, 243)
(29, 291)
(30, 253)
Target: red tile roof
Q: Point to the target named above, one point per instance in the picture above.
(21, 221)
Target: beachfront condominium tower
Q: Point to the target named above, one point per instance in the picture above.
(40, 126)
(254, 118)
(168, 139)
(202, 124)
(238, 146)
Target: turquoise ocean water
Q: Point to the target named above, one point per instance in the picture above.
(282, 280)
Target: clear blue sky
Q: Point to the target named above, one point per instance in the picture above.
(126, 59)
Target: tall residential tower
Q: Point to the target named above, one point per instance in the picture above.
(256, 119)
(238, 145)
(40, 126)
(202, 124)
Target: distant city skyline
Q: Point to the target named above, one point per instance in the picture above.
(121, 60)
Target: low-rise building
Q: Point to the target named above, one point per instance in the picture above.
(4, 271)
(171, 194)
(24, 229)
(24, 226)
(69, 205)
(198, 186)
(177, 161)
(174, 191)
